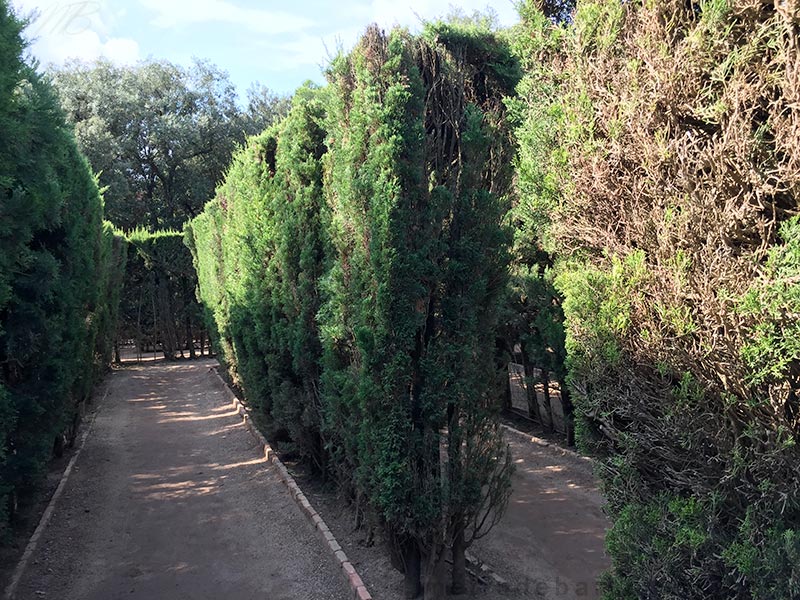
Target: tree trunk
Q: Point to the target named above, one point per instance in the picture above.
(530, 388)
(502, 359)
(155, 321)
(507, 403)
(436, 575)
(190, 337)
(412, 574)
(169, 343)
(459, 564)
(569, 413)
(13, 504)
(139, 338)
(546, 390)
(117, 357)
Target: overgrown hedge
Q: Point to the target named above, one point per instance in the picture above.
(59, 272)
(354, 262)
(675, 172)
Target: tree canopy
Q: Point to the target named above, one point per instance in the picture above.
(159, 135)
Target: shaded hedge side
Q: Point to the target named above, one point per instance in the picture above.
(203, 236)
(159, 308)
(58, 269)
(533, 315)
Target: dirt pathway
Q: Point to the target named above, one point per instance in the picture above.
(550, 543)
(171, 500)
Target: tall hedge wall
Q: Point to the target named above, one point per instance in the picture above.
(58, 267)
(353, 263)
(418, 182)
(159, 308)
(260, 250)
(675, 217)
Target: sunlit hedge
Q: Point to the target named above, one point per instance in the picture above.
(353, 263)
(260, 250)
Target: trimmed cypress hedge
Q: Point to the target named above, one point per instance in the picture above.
(353, 263)
(260, 249)
(59, 274)
(419, 177)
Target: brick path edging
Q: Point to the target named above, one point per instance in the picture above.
(545, 444)
(349, 572)
(10, 592)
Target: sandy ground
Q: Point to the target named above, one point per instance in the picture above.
(548, 546)
(550, 542)
(171, 499)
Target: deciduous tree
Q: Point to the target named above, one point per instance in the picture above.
(159, 135)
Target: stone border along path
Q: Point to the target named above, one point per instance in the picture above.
(30, 548)
(349, 572)
(353, 579)
(360, 591)
(545, 444)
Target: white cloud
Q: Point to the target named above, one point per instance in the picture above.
(174, 13)
(255, 39)
(304, 50)
(86, 46)
(63, 17)
(65, 29)
(121, 50)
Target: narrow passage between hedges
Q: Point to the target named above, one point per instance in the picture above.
(171, 498)
(550, 543)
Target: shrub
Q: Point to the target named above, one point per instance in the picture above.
(418, 180)
(260, 249)
(353, 263)
(675, 226)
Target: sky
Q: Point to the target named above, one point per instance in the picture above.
(279, 44)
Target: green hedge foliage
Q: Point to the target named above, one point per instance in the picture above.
(353, 263)
(260, 250)
(59, 274)
(419, 172)
(533, 316)
(669, 192)
(159, 308)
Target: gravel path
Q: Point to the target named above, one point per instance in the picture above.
(549, 545)
(171, 499)
(550, 542)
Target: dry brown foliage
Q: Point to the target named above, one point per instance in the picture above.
(684, 147)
